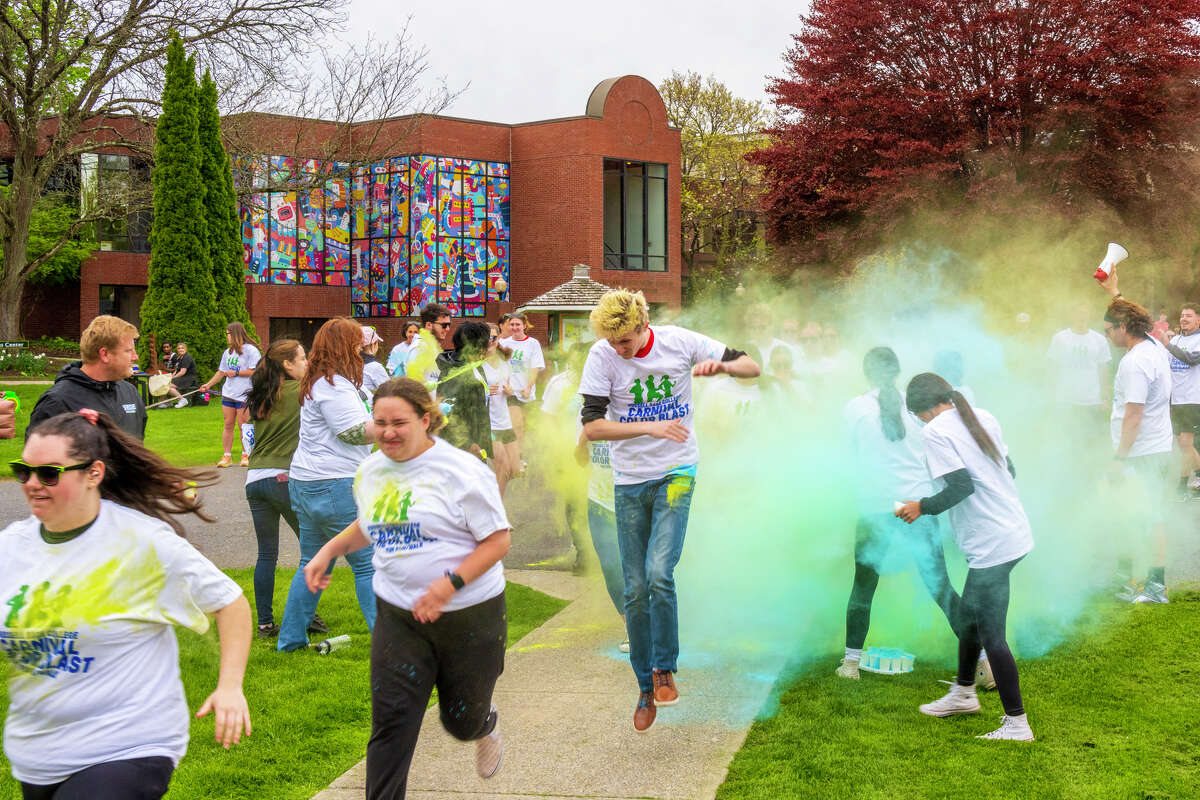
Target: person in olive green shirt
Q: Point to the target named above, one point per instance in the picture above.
(274, 406)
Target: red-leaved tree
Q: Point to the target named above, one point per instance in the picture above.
(892, 105)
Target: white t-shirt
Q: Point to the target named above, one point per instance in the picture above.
(498, 375)
(237, 388)
(423, 517)
(600, 479)
(331, 410)
(1185, 389)
(374, 376)
(886, 471)
(656, 386)
(1078, 358)
(728, 398)
(87, 628)
(990, 526)
(526, 357)
(422, 360)
(1144, 376)
(399, 357)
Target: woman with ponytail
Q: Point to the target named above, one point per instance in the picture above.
(890, 463)
(274, 408)
(966, 454)
(93, 585)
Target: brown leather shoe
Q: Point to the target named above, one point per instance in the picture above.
(665, 693)
(643, 715)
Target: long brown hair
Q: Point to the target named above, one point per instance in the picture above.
(238, 337)
(266, 384)
(134, 477)
(927, 390)
(335, 351)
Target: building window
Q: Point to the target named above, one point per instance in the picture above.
(121, 181)
(635, 215)
(400, 233)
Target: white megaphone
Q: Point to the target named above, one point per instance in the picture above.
(1115, 255)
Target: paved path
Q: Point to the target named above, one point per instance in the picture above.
(566, 703)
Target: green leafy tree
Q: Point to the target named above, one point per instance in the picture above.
(220, 212)
(180, 302)
(720, 190)
(52, 221)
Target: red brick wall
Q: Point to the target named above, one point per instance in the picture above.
(50, 311)
(557, 199)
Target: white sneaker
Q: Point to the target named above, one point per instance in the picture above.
(848, 669)
(624, 646)
(983, 675)
(182, 402)
(1152, 592)
(959, 700)
(1012, 729)
(489, 751)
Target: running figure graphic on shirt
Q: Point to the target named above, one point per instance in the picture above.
(650, 393)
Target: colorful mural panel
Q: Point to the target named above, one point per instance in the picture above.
(282, 240)
(360, 267)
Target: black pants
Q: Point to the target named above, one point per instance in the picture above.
(872, 538)
(462, 653)
(985, 616)
(134, 779)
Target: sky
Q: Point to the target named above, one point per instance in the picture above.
(525, 60)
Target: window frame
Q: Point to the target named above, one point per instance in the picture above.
(623, 259)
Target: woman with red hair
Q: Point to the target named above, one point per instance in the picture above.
(336, 433)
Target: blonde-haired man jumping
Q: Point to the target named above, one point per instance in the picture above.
(637, 393)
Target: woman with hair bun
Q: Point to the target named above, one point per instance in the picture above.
(890, 462)
(431, 517)
(94, 583)
(237, 365)
(966, 455)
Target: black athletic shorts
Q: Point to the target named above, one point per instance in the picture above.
(1185, 418)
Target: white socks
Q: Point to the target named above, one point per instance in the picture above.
(853, 655)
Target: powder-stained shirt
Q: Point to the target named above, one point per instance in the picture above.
(526, 357)
(990, 525)
(498, 375)
(653, 386)
(422, 364)
(1185, 387)
(1077, 357)
(87, 628)
(330, 410)
(238, 388)
(885, 471)
(1144, 376)
(423, 517)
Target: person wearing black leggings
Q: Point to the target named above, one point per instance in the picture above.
(965, 451)
(890, 462)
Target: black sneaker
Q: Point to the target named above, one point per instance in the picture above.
(317, 625)
(268, 631)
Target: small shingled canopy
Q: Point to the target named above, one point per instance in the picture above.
(568, 306)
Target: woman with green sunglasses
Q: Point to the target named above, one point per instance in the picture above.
(93, 585)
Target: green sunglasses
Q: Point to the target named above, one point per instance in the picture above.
(47, 474)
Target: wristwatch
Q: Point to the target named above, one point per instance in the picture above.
(455, 580)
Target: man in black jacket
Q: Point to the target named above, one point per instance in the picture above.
(98, 381)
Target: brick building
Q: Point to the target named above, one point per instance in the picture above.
(479, 216)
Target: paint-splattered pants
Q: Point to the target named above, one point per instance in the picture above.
(462, 653)
(652, 519)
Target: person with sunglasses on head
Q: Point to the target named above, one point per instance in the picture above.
(431, 340)
(976, 481)
(93, 585)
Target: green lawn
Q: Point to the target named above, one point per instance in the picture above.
(1114, 712)
(311, 713)
(187, 436)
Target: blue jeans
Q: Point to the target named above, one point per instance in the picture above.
(602, 524)
(324, 509)
(269, 500)
(651, 522)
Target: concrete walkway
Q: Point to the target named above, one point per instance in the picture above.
(566, 702)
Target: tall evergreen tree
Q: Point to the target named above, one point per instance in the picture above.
(220, 211)
(180, 302)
